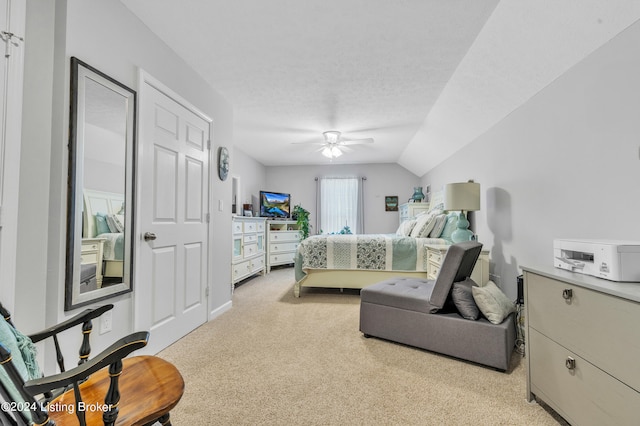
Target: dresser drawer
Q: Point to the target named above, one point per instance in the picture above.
(241, 269)
(257, 263)
(435, 256)
(250, 239)
(250, 250)
(585, 395)
(284, 236)
(237, 227)
(283, 247)
(249, 227)
(601, 328)
(276, 259)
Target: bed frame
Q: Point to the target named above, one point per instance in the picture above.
(103, 202)
(358, 278)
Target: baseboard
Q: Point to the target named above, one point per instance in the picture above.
(220, 310)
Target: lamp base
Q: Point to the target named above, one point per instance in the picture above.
(462, 233)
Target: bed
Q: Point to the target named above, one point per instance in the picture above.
(103, 220)
(357, 261)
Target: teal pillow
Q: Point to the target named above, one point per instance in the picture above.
(450, 225)
(102, 227)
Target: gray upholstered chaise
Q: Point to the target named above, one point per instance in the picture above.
(410, 311)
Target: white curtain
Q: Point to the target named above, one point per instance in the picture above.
(340, 204)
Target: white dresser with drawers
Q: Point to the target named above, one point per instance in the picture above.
(283, 237)
(248, 247)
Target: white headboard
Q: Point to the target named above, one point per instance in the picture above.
(437, 197)
(98, 202)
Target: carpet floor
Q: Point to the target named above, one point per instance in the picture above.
(274, 359)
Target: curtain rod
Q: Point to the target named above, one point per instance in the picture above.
(341, 177)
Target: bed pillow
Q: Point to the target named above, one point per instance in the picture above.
(441, 220)
(101, 224)
(492, 302)
(424, 225)
(405, 228)
(115, 226)
(450, 225)
(462, 295)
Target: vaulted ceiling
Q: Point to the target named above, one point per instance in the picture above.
(422, 77)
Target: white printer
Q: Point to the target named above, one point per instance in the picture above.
(609, 259)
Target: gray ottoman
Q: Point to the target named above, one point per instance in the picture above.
(402, 310)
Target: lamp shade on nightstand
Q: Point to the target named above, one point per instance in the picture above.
(463, 197)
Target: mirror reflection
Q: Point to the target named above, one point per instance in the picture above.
(100, 187)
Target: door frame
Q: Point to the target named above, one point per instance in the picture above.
(144, 79)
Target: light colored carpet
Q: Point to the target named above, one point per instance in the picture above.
(277, 360)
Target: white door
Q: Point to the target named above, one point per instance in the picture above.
(173, 205)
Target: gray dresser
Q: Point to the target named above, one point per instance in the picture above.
(583, 346)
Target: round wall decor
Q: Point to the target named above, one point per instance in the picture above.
(223, 163)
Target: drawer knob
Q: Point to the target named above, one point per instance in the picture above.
(567, 293)
(570, 363)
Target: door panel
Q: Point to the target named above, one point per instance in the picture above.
(174, 202)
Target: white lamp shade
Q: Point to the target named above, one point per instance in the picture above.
(463, 196)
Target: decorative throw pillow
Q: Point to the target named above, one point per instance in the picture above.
(451, 224)
(441, 220)
(101, 224)
(115, 226)
(493, 303)
(405, 228)
(424, 225)
(23, 357)
(462, 296)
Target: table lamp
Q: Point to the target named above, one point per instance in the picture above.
(464, 197)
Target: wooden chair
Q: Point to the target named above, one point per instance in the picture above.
(107, 389)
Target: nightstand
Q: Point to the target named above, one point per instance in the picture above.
(435, 256)
(92, 253)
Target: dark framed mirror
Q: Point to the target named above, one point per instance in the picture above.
(100, 212)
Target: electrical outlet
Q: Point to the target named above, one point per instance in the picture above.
(106, 322)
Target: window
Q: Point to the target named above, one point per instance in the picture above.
(340, 205)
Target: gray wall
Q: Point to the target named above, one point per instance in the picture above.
(565, 164)
(382, 180)
(106, 35)
(252, 176)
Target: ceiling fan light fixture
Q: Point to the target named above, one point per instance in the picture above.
(331, 136)
(327, 152)
(336, 152)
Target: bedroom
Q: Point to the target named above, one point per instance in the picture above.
(564, 163)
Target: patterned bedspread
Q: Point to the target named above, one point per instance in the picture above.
(364, 252)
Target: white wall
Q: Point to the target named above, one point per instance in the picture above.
(382, 180)
(252, 176)
(565, 164)
(107, 36)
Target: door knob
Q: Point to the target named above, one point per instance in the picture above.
(149, 236)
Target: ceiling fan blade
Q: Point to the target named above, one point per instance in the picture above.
(311, 142)
(356, 141)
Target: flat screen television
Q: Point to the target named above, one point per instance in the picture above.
(275, 204)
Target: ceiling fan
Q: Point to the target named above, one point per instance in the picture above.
(334, 144)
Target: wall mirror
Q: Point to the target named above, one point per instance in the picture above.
(100, 190)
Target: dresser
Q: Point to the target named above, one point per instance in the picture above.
(582, 345)
(435, 256)
(411, 210)
(248, 247)
(283, 237)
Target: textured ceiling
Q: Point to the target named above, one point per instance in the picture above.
(421, 77)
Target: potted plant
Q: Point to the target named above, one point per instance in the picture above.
(301, 215)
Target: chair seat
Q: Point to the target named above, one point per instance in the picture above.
(146, 381)
(403, 293)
